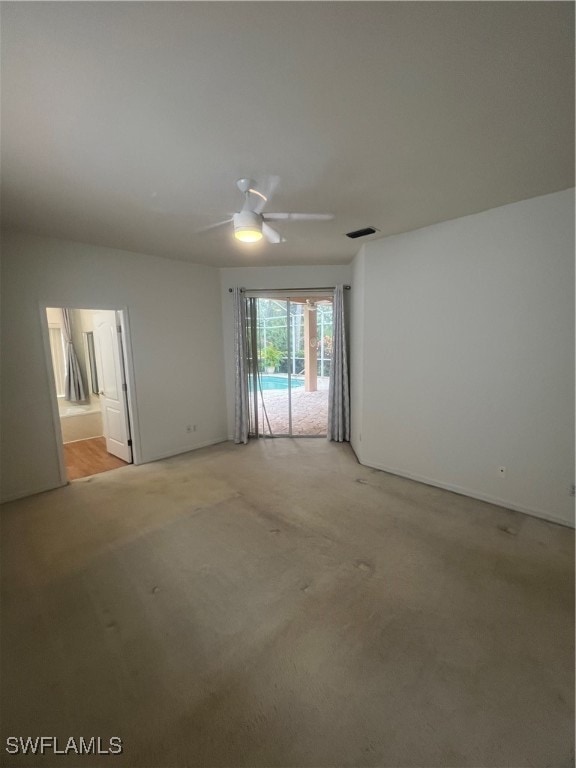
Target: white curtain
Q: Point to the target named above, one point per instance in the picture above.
(58, 350)
(339, 391)
(74, 387)
(241, 413)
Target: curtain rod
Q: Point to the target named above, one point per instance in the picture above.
(270, 290)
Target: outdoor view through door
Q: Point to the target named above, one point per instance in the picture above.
(289, 355)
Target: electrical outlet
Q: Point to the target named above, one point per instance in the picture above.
(502, 471)
(573, 490)
(189, 428)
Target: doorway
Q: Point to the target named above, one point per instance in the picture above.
(289, 340)
(88, 365)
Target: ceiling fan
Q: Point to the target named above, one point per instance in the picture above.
(251, 225)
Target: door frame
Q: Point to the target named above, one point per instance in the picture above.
(128, 362)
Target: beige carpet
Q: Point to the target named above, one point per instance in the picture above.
(280, 605)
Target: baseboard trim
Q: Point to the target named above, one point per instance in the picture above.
(183, 450)
(179, 452)
(33, 492)
(540, 514)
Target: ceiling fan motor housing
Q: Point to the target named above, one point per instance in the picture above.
(247, 220)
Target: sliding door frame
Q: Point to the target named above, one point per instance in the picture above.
(253, 372)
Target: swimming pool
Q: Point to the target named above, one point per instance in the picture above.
(269, 381)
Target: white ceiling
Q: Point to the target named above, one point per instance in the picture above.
(127, 124)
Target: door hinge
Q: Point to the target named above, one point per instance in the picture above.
(125, 387)
(119, 328)
(130, 443)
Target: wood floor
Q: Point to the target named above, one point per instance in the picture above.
(89, 457)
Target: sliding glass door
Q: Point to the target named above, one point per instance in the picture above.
(289, 343)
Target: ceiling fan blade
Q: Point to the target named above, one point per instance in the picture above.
(298, 216)
(263, 192)
(213, 226)
(271, 235)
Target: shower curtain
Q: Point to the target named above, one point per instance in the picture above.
(74, 387)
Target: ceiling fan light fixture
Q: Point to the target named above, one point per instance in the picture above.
(248, 235)
(247, 227)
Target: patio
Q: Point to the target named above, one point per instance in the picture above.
(309, 410)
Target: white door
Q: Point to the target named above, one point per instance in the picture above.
(112, 384)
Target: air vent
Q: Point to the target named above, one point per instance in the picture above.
(362, 232)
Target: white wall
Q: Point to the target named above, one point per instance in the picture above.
(468, 345)
(175, 321)
(268, 277)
